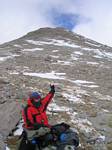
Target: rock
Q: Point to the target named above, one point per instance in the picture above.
(109, 146)
(2, 144)
(9, 117)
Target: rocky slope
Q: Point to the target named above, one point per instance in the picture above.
(80, 68)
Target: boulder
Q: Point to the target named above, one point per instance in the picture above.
(9, 117)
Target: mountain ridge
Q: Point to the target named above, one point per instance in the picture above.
(54, 31)
(79, 67)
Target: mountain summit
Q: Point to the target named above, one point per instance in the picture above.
(80, 68)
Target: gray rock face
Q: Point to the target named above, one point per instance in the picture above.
(9, 117)
(2, 144)
(80, 68)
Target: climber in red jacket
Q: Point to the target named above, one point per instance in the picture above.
(34, 114)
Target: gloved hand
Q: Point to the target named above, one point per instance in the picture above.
(52, 88)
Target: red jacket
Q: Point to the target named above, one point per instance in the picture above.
(38, 113)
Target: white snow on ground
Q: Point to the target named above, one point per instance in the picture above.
(4, 58)
(93, 44)
(105, 110)
(74, 57)
(52, 75)
(83, 124)
(7, 148)
(101, 138)
(83, 121)
(57, 108)
(78, 53)
(19, 130)
(71, 97)
(63, 62)
(84, 83)
(80, 91)
(101, 96)
(92, 63)
(53, 42)
(35, 42)
(14, 72)
(108, 54)
(16, 45)
(102, 54)
(32, 49)
(54, 56)
(87, 49)
(92, 103)
(99, 54)
(71, 113)
(91, 86)
(55, 51)
(8, 57)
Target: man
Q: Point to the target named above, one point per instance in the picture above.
(34, 114)
(35, 119)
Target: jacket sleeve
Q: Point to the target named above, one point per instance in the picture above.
(47, 100)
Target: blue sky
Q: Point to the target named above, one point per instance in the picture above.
(91, 18)
(68, 21)
(64, 19)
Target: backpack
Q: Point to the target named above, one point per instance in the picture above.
(60, 136)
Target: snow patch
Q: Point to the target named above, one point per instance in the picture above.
(105, 110)
(102, 97)
(87, 49)
(72, 98)
(14, 72)
(85, 83)
(16, 45)
(101, 138)
(34, 42)
(103, 54)
(92, 63)
(19, 130)
(64, 62)
(52, 75)
(57, 108)
(8, 57)
(54, 56)
(78, 53)
(4, 58)
(91, 86)
(33, 49)
(73, 57)
(92, 103)
(93, 44)
(72, 114)
(7, 148)
(84, 125)
(108, 55)
(55, 51)
(53, 42)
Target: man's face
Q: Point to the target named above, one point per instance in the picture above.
(36, 102)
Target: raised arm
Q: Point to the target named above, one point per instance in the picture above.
(48, 97)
